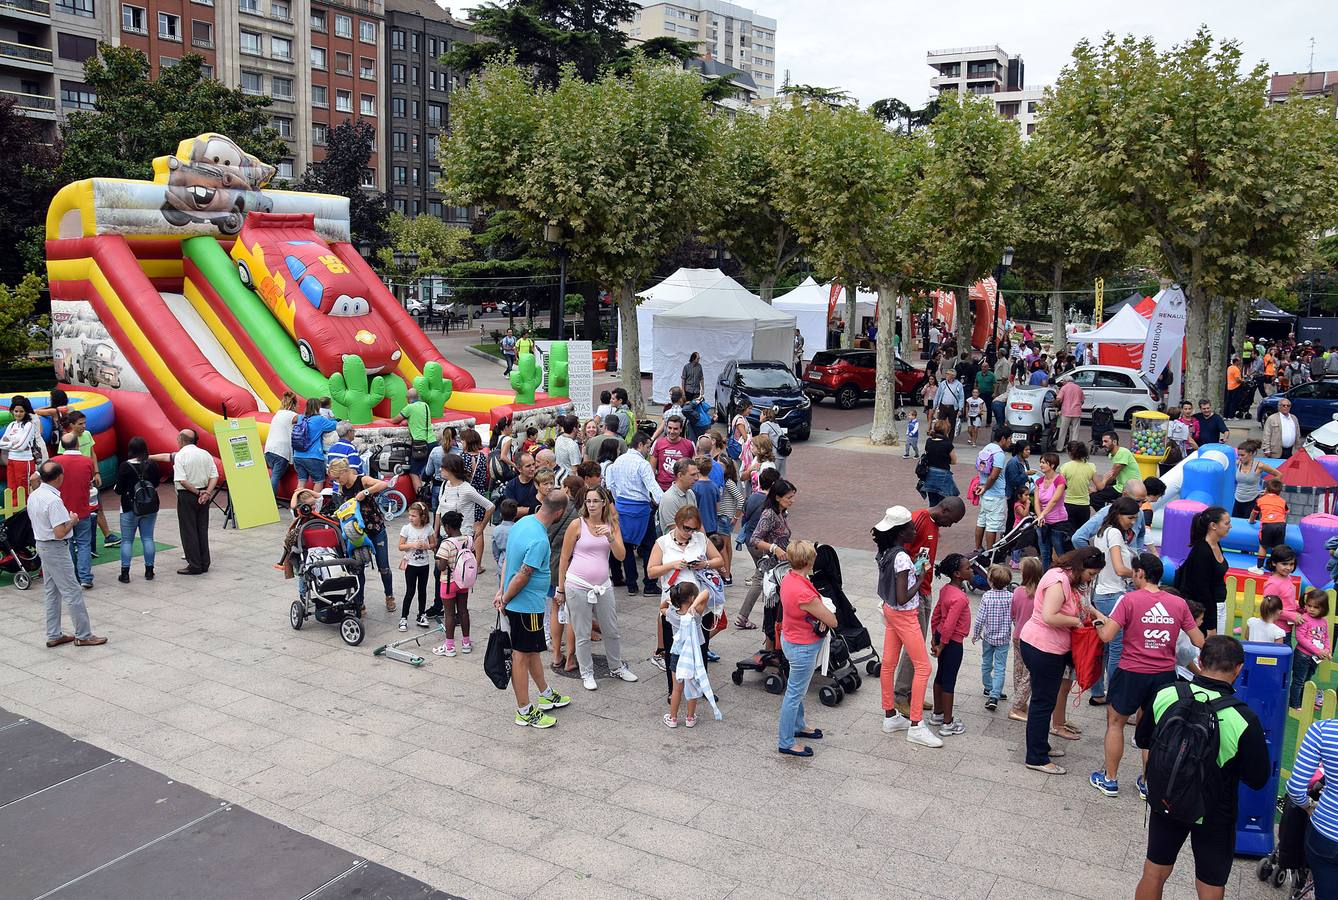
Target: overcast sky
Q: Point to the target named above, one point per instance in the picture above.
(876, 48)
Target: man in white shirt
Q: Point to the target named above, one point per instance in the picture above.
(196, 478)
(52, 525)
(949, 399)
(631, 480)
(1281, 431)
(565, 449)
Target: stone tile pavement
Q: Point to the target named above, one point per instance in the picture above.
(422, 769)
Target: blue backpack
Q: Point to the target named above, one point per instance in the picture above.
(301, 435)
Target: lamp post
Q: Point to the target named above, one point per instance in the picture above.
(1004, 265)
(553, 235)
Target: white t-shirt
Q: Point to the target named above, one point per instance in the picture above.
(670, 553)
(1108, 582)
(1287, 432)
(279, 441)
(461, 498)
(416, 534)
(903, 567)
(1264, 632)
(975, 407)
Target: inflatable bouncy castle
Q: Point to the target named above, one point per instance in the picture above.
(202, 294)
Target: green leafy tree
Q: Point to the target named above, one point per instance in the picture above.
(21, 331)
(136, 118)
(746, 217)
(526, 378)
(436, 243)
(851, 189)
(351, 393)
(26, 192)
(616, 162)
(811, 93)
(894, 112)
(1181, 146)
(348, 150)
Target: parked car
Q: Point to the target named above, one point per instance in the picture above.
(766, 383)
(1123, 391)
(848, 376)
(1314, 403)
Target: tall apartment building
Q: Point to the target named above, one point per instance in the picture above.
(419, 91)
(43, 46)
(987, 71)
(726, 32)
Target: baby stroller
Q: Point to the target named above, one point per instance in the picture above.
(1286, 865)
(328, 580)
(854, 636)
(18, 549)
(1103, 421)
(1015, 538)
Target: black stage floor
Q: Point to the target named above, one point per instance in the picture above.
(79, 822)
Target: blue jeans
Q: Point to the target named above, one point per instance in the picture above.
(1105, 603)
(803, 658)
(81, 549)
(1054, 541)
(278, 467)
(1304, 667)
(1322, 858)
(993, 666)
(382, 554)
(144, 524)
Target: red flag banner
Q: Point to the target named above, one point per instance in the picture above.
(832, 297)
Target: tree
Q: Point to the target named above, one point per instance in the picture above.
(22, 333)
(136, 118)
(813, 93)
(26, 192)
(436, 243)
(851, 189)
(894, 112)
(348, 149)
(746, 216)
(971, 164)
(1181, 146)
(617, 163)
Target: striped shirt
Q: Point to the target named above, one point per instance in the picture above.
(1318, 748)
(994, 618)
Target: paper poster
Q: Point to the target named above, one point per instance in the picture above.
(241, 451)
(248, 483)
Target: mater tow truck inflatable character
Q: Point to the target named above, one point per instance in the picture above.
(212, 180)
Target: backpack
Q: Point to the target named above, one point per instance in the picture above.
(457, 559)
(301, 435)
(144, 495)
(1184, 746)
(783, 448)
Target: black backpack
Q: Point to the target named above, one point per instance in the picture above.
(144, 495)
(1185, 744)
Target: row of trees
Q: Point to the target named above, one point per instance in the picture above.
(1171, 158)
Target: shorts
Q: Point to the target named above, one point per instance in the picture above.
(949, 661)
(309, 469)
(993, 512)
(1272, 534)
(1213, 845)
(975, 421)
(417, 468)
(1128, 691)
(527, 632)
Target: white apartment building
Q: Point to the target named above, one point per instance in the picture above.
(726, 32)
(987, 71)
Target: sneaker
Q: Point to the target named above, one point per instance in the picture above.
(920, 734)
(658, 662)
(535, 718)
(466, 645)
(1142, 788)
(935, 718)
(952, 728)
(992, 704)
(404, 624)
(751, 580)
(690, 721)
(112, 540)
(423, 622)
(670, 721)
(1256, 570)
(551, 699)
(1108, 786)
(624, 673)
(712, 656)
(727, 579)
(447, 648)
(895, 722)
(632, 590)
(588, 682)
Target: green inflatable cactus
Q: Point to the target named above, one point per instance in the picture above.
(557, 370)
(397, 392)
(525, 378)
(433, 388)
(349, 389)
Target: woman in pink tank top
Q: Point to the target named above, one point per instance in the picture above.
(585, 588)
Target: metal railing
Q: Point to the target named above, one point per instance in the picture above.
(37, 7)
(954, 51)
(202, 43)
(34, 102)
(13, 50)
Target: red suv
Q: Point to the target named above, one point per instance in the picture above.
(848, 376)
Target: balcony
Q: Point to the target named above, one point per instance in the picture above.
(202, 43)
(39, 106)
(24, 53)
(31, 7)
(370, 7)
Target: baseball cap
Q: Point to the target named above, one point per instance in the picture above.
(894, 517)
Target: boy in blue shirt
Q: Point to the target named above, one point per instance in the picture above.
(912, 435)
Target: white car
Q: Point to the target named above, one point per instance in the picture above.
(1124, 391)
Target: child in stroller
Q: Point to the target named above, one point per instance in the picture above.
(18, 549)
(328, 577)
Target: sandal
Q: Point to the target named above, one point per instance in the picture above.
(1017, 715)
(1065, 733)
(1072, 726)
(559, 664)
(1049, 769)
(743, 624)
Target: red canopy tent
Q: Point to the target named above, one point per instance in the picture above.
(984, 294)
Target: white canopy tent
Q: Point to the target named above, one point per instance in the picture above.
(808, 304)
(679, 287)
(1125, 327)
(721, 324)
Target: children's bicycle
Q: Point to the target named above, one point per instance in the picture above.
(393, 501)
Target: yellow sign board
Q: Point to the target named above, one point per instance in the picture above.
(244, 468)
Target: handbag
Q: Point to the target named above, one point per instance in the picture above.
(1087, 648)
(497, 656)
(922, 468)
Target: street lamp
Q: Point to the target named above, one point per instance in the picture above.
(365, 248)
(553, 235)
(1004, 265)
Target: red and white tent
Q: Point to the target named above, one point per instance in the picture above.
(1120, 339)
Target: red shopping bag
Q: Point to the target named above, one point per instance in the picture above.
(1087, 648)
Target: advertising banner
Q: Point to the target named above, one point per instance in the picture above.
(244, 469)
(1166, 332)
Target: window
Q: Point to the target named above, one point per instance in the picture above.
(413, 110)
(320, 133)
(344, 101)
(459, 213)
(414, 73)
(343, 26)
(434, 114)
(249, 6)
(369, 178)
(252, 82)
(76, 7)
(169, 27)
(318, 20)
(400, 206)
(281, 48)
(132, 19)
(417, 207)
(279, 9)
(396, 39)
(206, 70)
(367, 105)
(1113, 381)
(320, 95)
(431, 46)
(74, 95)
(283, 125)
(167, 62)
(201, 34)
(397, 73)
(74, 47)
(367, 68)
(281, 88)
(399, 175)
(434, 208)
(318, 58)
(399, 141)
(343, 63)
(397, 107)
(413, 144)
(414, 42)
(432, 140)
(250, 41)
(285, 169)
(413, 177)
(1031, 106)
(1031, 128)
(367, 32)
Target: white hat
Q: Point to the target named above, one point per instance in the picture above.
(894, 517)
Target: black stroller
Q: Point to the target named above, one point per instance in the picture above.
(18, 549)
(1103, 421)
(1022, 534)
(1286, 865)
(858, 644)
(328, 579)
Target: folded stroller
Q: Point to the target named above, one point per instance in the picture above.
(18, 549)
(328, 579)
(1016, 537)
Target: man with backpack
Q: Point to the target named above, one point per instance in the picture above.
(418, 416)
(1202, 742)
